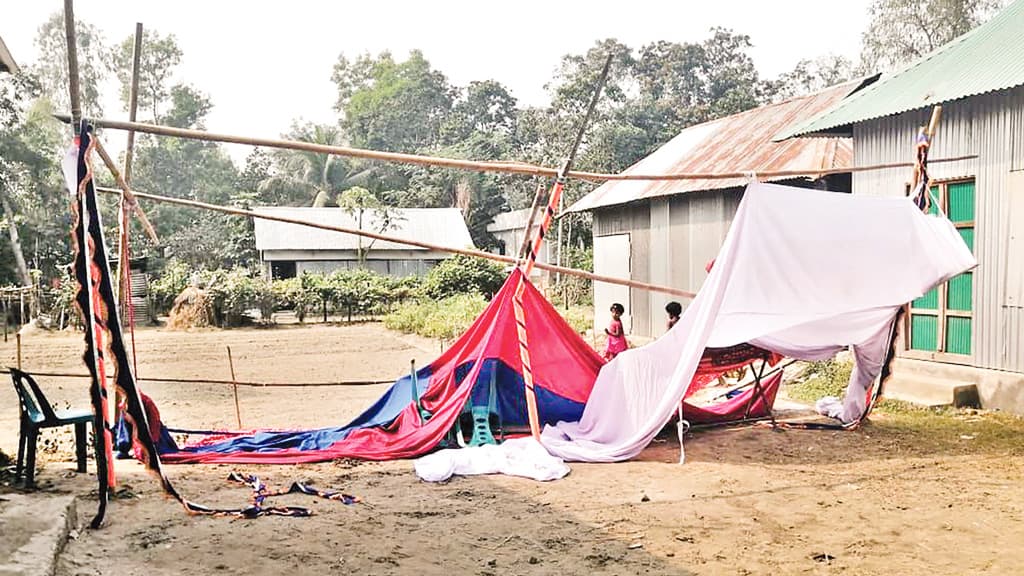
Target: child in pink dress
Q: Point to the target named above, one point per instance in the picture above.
(616, 336)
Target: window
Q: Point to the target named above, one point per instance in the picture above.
(282, 269)
(941, 321)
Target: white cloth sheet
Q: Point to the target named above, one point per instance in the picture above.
(802, 272)
(516, 457)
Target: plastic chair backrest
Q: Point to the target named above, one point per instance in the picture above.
(36, 407)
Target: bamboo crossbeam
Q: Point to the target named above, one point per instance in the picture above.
(221, 382)
(407, 241)
(521, 168)
(126, 190)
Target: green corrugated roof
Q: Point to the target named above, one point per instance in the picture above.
(986, 59)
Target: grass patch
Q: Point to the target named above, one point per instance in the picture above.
(820, 379)
(948, 429)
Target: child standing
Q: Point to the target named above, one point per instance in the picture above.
(673, 309)
(616, 336)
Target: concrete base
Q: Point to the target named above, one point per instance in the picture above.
(937, 384)
(34, 529)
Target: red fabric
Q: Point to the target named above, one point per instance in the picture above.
(562, 363)
(718, 361)
(153, 419)
(736, 408)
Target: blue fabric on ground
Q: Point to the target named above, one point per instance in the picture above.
(381, 413)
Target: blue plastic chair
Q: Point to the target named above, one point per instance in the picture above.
(36, 414)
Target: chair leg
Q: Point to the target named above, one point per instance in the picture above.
(81, 442)
(19, 467)
(30, 461)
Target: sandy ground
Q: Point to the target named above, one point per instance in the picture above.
(748, 501)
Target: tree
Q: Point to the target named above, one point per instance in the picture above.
(160, 55)
(392, 106)
(810, 76)
(30, 187)
(308, 178)
(94, 63)
(359, 202)
(903, 30)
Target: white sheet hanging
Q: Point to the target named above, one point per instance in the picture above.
(801, 272)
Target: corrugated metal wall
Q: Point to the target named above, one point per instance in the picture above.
(991, 126)
(671, 240)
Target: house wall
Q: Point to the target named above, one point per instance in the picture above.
(992, 127)
(671, 240)
(397, 263)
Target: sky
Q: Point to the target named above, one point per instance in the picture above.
(265, 64)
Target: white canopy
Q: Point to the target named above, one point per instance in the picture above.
(802, 272)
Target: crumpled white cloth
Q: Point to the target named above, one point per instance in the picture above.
(802, 272)
(514, 457)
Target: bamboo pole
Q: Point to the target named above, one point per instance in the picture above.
(133, 102)
(509, 167)
(72, 46)
(407, 241)
(17, 337)
(125, 190)
(537, 199)
(238, 411)
(224, 382)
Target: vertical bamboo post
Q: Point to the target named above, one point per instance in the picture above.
(17, 336)
(234, 384)
(69, 33)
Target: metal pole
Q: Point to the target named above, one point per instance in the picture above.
(238, 410)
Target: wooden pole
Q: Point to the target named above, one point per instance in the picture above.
(72, 45)
(407, 241)
(238, 410)
(133, 102)
(17, 337)
(537, 200)
(508, 167)
(129, 196)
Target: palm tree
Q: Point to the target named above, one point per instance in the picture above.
(310, 178)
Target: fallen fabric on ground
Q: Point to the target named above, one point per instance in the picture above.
(514, 457)
(803, 273)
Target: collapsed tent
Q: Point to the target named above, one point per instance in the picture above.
(802, 273)
(416, 416)
(481, 370)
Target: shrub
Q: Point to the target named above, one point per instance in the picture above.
(463, 275)
(236, 292)
(820, 379)
(172, 281)
(447, 318)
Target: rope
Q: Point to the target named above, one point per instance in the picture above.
(224, 382)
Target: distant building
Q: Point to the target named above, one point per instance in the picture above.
(971, 329)
(665, 232)
(509, 227)
(288, 250)
(7, 63)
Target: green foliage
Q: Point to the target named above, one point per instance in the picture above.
(573, 290)
(903, 30)
(236, 292)
(463, 275)
(825, 378)
(159, 56)
(446, 318)
(170, 282)
(94, 63)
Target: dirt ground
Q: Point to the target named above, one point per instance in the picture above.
(883, 499)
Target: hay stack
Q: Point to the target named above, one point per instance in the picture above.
(192, 308)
